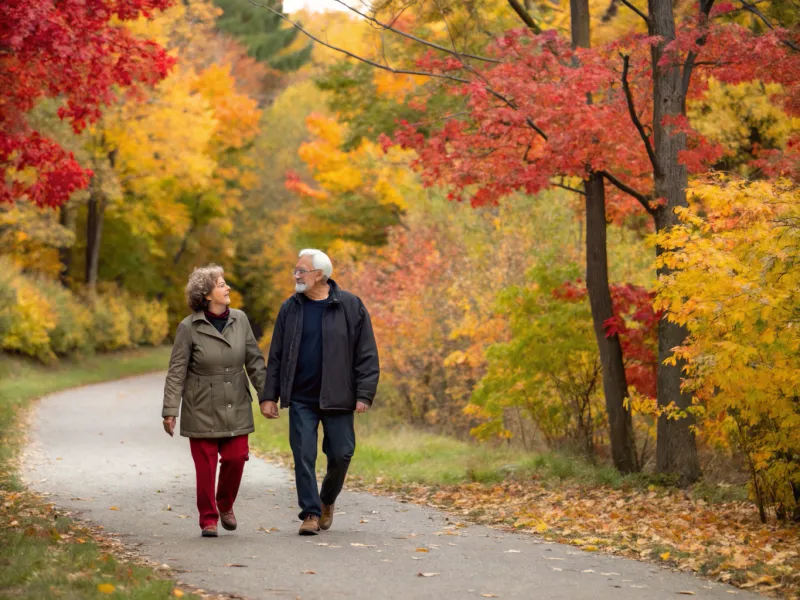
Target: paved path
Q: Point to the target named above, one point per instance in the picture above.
(100, 451)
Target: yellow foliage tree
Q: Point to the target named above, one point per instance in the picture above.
(735, 285)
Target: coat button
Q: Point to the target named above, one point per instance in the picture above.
(229, 405)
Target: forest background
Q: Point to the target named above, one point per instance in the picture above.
(471, 168)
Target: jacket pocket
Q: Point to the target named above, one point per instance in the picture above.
(202, 407)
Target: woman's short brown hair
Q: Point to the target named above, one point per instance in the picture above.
(201, 282)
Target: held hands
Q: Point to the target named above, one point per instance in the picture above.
(361, 407)
(169, 425)
(269, 408)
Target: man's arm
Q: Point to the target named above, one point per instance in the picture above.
(366, 364)
(272, 385)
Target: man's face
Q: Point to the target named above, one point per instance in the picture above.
(305, 275)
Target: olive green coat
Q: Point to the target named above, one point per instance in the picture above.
(206, 377)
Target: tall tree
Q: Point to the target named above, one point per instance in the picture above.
(262, 32)
(72, 50)
(615, 385)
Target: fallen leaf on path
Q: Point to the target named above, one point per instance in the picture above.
(422, 550)
(177, 592)
(105, 588)
(427, 574)
(115, 508)
(309, 572)
(686, 593)
(664, 556)
(490, 595)
(359, 545)
(235, 565)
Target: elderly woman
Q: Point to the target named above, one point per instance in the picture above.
(206, 380)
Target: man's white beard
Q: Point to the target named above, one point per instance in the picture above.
(300, 288)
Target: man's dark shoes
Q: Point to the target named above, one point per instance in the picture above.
(310, 526)
(326, 520)
(210, 531)
(228, 519)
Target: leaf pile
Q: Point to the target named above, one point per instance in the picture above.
(724, 541)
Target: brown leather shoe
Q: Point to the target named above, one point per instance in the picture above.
(210, 531)
(326, 520)
(310, 526)
(228, 519)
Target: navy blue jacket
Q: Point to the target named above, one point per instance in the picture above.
(350, 367)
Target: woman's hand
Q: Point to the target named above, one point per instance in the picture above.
(169, 425)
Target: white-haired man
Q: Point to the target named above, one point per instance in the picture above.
(323, 366)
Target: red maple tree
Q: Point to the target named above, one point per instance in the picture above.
(529, 121)
(71, 50)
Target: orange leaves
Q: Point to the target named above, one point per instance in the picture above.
(725, 541)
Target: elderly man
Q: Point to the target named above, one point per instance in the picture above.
(323, 366)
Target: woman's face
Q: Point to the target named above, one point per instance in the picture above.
(221, 294)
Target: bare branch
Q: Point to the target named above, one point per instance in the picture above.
(566, 187)
(637, 11)
(442, 118)
(360, 58)
(757, 12)
(635, 117)
(377, 65)
(642, 198)
(691, 57)
(526, 17)
(390, 27)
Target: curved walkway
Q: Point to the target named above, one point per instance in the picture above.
(100, 451)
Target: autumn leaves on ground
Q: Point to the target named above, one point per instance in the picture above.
(575, 226)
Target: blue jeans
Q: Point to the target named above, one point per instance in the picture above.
(338, 444)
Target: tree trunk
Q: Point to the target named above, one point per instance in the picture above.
(65, 253)
(615, 385)
(676, 452)
(94, 234)
(580, 23)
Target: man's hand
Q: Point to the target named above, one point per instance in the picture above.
(269, 408)
(361, 407)
(169, 425)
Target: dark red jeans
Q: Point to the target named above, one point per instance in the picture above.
(233, 452)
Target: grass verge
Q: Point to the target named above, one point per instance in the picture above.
(710, 530)
(43, 554)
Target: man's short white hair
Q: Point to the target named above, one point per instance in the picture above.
(320, 260)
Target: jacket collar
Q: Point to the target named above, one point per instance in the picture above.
(333, 297)
(207, 328)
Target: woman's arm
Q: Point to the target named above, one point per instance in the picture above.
(176, 375)
(254, 361)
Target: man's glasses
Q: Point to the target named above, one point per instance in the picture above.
(303, 272)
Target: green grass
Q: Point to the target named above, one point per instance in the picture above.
(400, 455)
(43, 555)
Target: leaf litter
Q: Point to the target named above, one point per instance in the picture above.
(723, 541)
